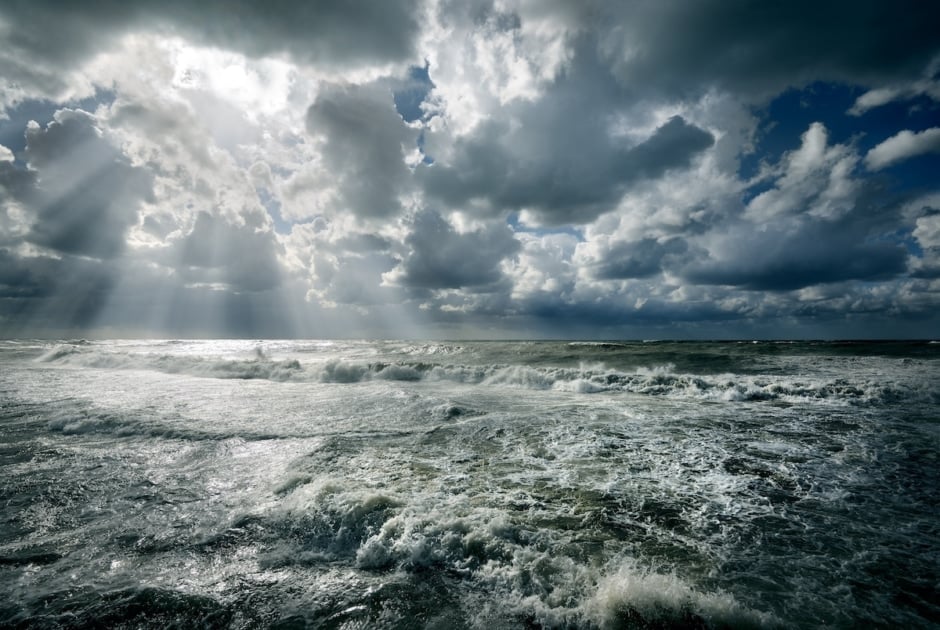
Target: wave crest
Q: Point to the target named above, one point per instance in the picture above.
(594, 378)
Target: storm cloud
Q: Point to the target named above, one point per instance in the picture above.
(80, 191)
(442, 258)
(436, 168)
(365, 143)
(46, 42)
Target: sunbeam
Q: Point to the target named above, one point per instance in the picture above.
(491, 314)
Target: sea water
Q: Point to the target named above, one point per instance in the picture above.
(361, 484)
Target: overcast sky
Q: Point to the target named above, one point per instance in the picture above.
(707, 169)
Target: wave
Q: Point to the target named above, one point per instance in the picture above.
(633, 597)
(83, 420)
(259, 367)
(432, 348)
(519, 567)
(662, 380)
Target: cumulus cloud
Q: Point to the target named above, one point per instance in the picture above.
(816, 179)
(903, 145)
(560, 172)
(81, 192)
(544, 266)
(927, 233)
(639, 259)
(49, 292)
(884, 95)
(783, 256)
(342, 267)
(756, 50)
(817, 223)
(46, 42)
(439, 257)
(556, 167)
(242, 257)
(364, 145)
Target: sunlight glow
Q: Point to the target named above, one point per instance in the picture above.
(255, 86)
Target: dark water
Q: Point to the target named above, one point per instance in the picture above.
(469, 485)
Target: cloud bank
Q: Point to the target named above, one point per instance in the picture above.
(495, 168)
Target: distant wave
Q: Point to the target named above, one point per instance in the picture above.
(660, 380)
(260, 367)
(599, 344)
(77, 417)
(432, 348)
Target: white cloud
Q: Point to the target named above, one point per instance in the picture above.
(903, 145)
(816, 179)
(543, 266)
(884, 95)
(484, 56)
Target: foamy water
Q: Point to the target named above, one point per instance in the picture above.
(469, 485)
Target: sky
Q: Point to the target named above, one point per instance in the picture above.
(470, 169)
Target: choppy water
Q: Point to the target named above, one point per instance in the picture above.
(469, 485)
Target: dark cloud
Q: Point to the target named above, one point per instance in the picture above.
(342, 34)
(616, 317)
(242, 257)
(563, 171)
(18, 280)
(366, 141)
(81, 192)
(757, 48)
(355, 279)
(46, 38)
(390, 164)
(639, 259)
(44, 41)
(780, 257)
(15, 182)
(672, 146)
(55, 293)
(442, 258)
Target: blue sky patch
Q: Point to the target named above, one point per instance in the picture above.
(408, 99)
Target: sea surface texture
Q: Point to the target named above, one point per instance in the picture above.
(469, 485)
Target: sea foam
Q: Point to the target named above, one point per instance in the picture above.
(589, 378)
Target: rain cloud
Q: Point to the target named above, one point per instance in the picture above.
(486, 168)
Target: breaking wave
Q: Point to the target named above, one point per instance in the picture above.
(403, 484)
(516, 570)
(661, 380)
(258, 367)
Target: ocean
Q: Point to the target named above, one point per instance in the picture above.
(401, 484)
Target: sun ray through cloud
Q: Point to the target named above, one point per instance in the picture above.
(469, 314)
